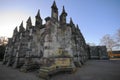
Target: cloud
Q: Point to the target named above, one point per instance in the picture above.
(9, 20)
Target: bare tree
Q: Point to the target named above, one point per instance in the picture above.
(118, 35)
(3, 40)
(108, 41)
(118, 38)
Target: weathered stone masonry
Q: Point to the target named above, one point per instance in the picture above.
(33, 46)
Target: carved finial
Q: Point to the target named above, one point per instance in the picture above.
(38, 13)
(77, 26)
(29, 20)
(21, 28)
(63, 16)
(71, 21)
(16, 30)
(63, 11)
(29, 23)
(21, 23)
(38, 19)
(54, 5)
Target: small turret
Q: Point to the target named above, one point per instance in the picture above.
(21, 28)
(72, 25)
(63, 16)
(79, 32)
(38, 22)
(71, 22)
(29, 23)
(54, 5)
(16, 30)
(54, 14)
(78, 28)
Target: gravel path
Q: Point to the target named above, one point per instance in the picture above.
(91, 70)
(9, 73)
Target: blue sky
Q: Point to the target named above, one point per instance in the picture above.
(94, 17)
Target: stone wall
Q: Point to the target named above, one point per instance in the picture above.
(98, 52)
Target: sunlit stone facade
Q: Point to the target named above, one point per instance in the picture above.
(35, 44)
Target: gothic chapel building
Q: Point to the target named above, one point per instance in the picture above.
(35, 44)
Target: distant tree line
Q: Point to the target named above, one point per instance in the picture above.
(2, 51)
(3, 42)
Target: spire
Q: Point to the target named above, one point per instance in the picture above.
(54, 12)
(79, 32)
(38, 14)
(15, 31)
(29, 20)
(71, 21)
(77, 26)
(54, 5)
(63, 16)
(29, 23)
(63, 11)
(38, 19)
(21, 25)
(21, 28)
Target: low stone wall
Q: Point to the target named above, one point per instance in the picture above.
(98, 52)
